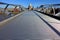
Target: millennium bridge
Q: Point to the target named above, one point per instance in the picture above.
(20, 23)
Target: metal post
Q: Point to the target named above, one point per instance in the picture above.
(5, 10)
(53, 10)
(20, 8)
(6, 7)
(15, 6)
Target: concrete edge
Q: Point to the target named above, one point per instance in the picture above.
(6, 20)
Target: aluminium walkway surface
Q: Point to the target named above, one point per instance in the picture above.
(27, 27)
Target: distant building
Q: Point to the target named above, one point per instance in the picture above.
(30, 7)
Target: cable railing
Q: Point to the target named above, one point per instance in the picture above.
(52, 10)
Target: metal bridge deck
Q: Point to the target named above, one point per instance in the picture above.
(27, 27)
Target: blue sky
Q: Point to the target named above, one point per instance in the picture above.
(35, 3)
